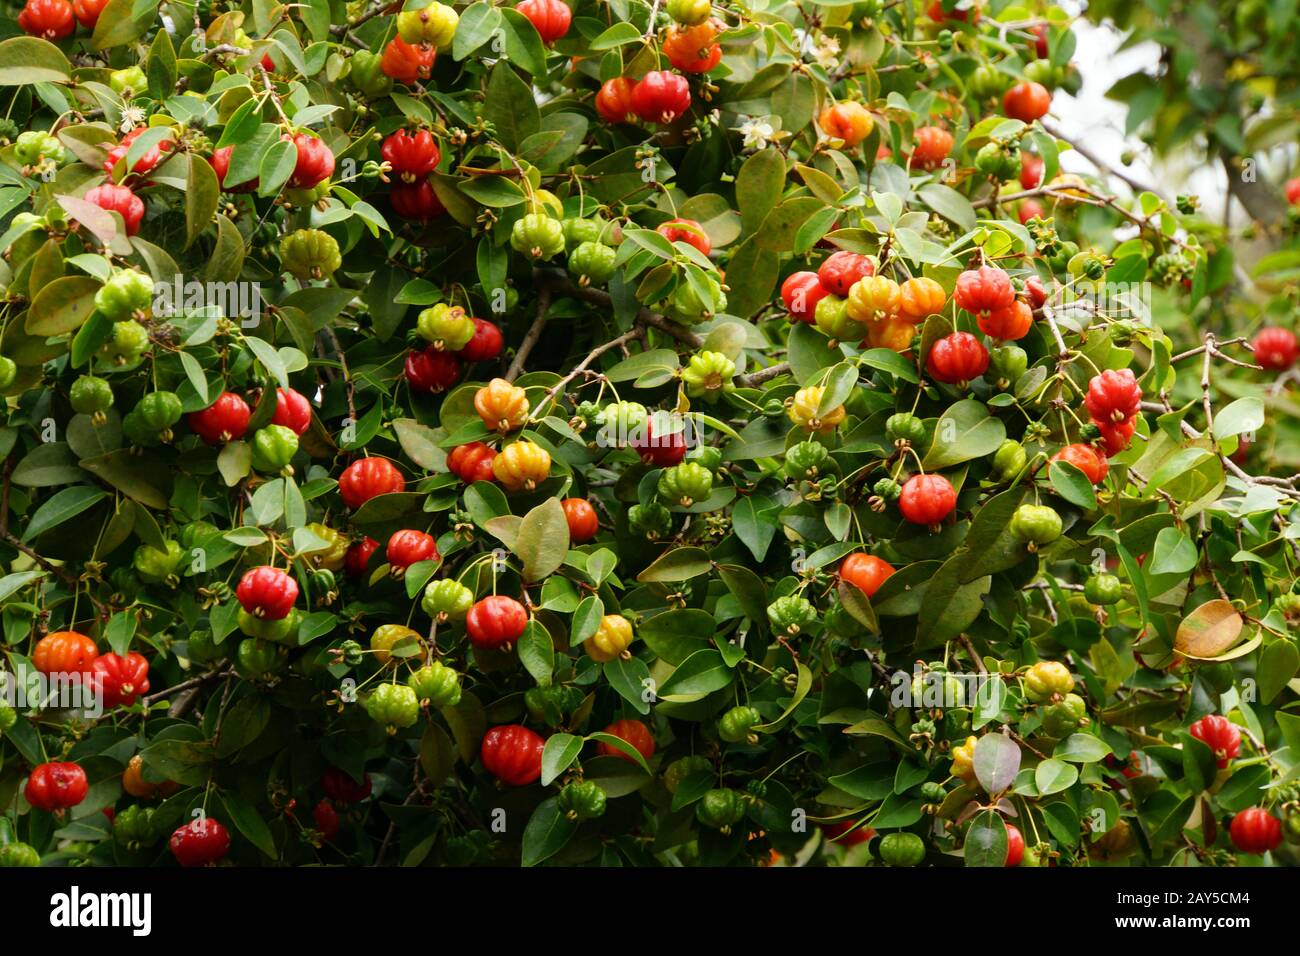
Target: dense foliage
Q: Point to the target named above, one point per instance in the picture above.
(641, 434)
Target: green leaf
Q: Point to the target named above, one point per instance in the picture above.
(558, 754)
(997, 761)
(1072, 485)
(965, 431)
(676, 634)
(248, 822)
(420, 443)
(62, 506)
(201, 197)
(25, 61)
(543, 540)
(630, 678)
(1081, 748)
(759, 185)
(1278, 663)
(62, 305)
(702, 673)
(677, 564)
(537, 652)
(1243, 415)
(1053, 776)
(509, 106)
(986, 840)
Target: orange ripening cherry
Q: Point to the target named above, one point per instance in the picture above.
(405, 62)
(844, 834)
(693, 49)
(957, 358)
(1027, 101)
(1086, 459)
(937, 13)
(1276, 348)
(614, 100)
(841, 271)
(64, 652)
(931, 146)
(582, 519)
(927, 500)
(848, 121)
(919, 298)
(1113, 396)
(866, 572)
(688, 231)
(48, 19)
(1008, 323)
(983, 290)
(368, 478)
(892, 332)
(633, 732)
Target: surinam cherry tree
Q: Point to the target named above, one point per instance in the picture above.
(683, 433)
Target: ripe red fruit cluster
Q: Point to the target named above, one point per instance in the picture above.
(358, 556)
(339, 785)
(416, 201)
(267, 593)
(1113, 400)
(431, 370)
(408, 546)
(582, 519)
(292, 410)
(369, 478)
(550, 17)
(1255, 831)
(121, 200)
(120, 680)
(146, 163)
(48, 19)
(1220, 735)
(662, 451)
(224, 420)
(412, 156)
(1086, 459)
(688, 231)
(841, 270)
(472, 462)
(315, 162)
(1276, 348)
(693, 49)
(495, 622)
(927, 499)
(199, 842)
(957, 358)
(801, 292)
(931, 146)
(659, 97)
(513, 754)
(630, 731)
(984, 289)
(56, 786)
